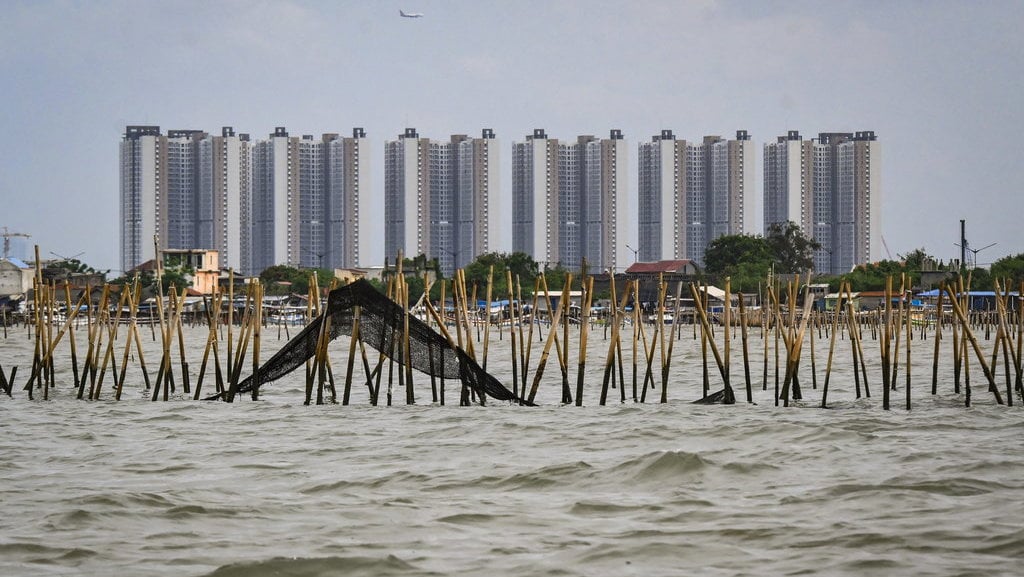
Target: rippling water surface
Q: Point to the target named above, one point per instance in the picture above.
(279, 488)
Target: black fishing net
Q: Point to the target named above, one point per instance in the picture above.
(381, 322)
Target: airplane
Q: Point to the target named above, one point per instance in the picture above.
(405, 14)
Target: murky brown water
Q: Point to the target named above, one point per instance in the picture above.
(279, 488)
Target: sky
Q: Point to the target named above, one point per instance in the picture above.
(939, 82)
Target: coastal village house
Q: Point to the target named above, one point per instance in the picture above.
(15, 277)
(203, 267)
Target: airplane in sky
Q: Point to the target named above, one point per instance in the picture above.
(405, 14)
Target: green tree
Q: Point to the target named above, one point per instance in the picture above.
(746, 258)
(872, 276)
(178, 277)
(73, 265)
(520, 264)
(918, 260)
(1010, 270)
(791, 250)
(981, 279)
(283, 279)
(555, 276)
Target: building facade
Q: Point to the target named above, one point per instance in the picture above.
(283, 200)
(690, 193)
(830, 187)
(443, 199)
(223, 214)
(570, 201)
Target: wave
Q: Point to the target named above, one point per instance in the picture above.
(321, 567)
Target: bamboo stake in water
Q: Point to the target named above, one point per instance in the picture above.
(746, 354)
(705, 325)
(638, 329)
(71, 329)
(487, 324)
(977, 349)
(609, 365)
(668, 358)
(584, 325)
(885, 344)
(350, 366)
(906, 320)
(410, 391)
(211, 338)
(563, 362)
(109, 356)
(257, 329)
(552, 333)
(938, 339)
(832, 345)
(511, 331)
(1019, 380)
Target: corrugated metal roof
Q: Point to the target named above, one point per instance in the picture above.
(17, 262)
(668, 266)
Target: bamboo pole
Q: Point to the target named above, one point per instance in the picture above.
(180, 336)
(977, 350)
(668, 358)
(832, 345)
(487, 324)
(245, 330)
(938, 340)
(529, 336)
(907, 367)
(102, 323)
(563, 363)
(71, 329)
(662, 294)
(211, 337)
(638, 330)
(511, 331)
(256, 338)
(884, 340)
(1004, 334)
(744, 332)
(705, 325)
(312, 307)
(767, 323)
(1019, 384)
(350, 364)
(855, 338)
(609, 365)
(552, 334)
(793, 340)
(584, 326)
(109, 357)
(650, 349)
(410, 391)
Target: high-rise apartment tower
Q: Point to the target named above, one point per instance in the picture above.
(830, 187)
(690, 193)
(570, 201)
(443, 199)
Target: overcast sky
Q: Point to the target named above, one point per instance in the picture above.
(939, 82)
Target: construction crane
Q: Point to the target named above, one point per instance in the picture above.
(7, 240)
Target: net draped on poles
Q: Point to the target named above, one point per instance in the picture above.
(381, 322)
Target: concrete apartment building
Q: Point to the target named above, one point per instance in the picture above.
(830, 187)
(443, 199)
(570, 201)
(690, 193)
(223, 212)
(187, 189)
(283, 200)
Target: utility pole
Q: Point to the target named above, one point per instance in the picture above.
(7, 240)
(963, 245)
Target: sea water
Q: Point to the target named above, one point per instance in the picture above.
(274, 487)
